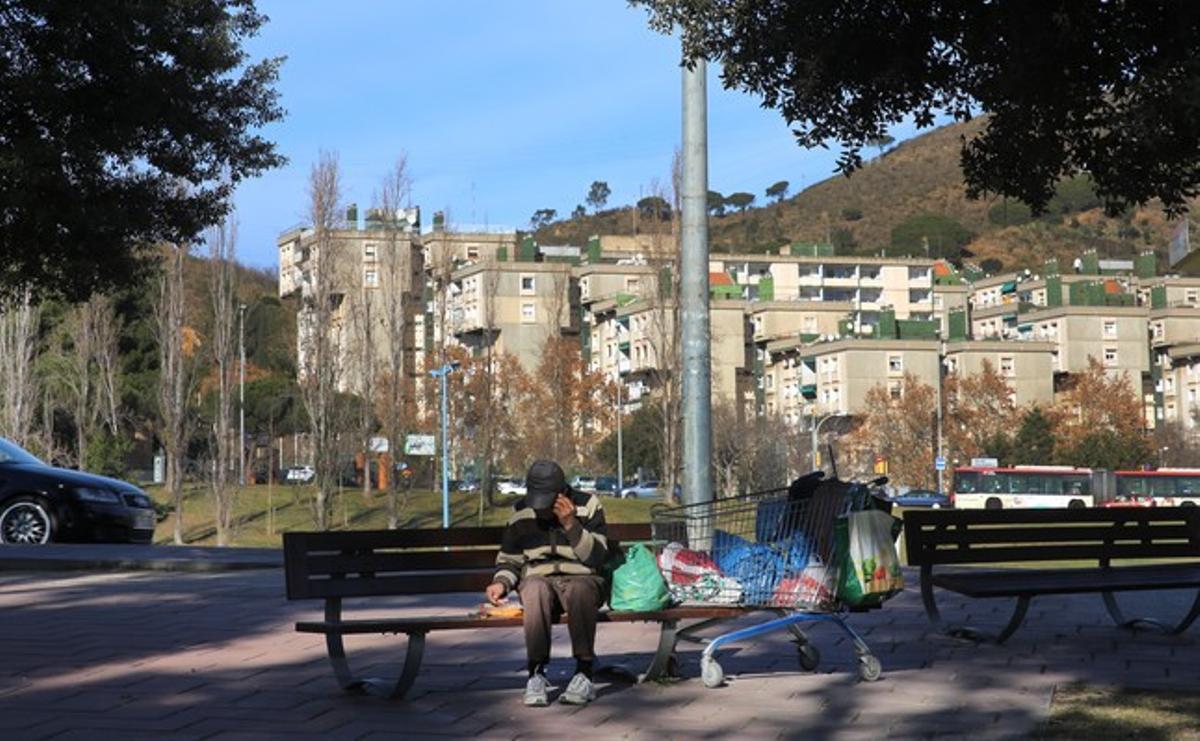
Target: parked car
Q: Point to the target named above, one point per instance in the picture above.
(584, 483)
(921, 498)
(467, 485)
(511, 486)
(40, 504)
(300, 475)
(644, 490)
(606, 486)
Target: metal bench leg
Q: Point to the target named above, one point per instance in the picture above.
(966, 631)
(663, 664)
(1115, 612)
(392, 689)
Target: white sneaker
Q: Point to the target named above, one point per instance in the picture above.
(579, 692)
(535, 691)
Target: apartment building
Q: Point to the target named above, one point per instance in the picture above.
(1027, 367)
(846, 369)
(867, 284)
(513, 306)
(633, 337)
(366, 266)
(448, 249)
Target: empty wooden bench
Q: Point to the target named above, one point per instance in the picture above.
(1057, 540)
(337, 566)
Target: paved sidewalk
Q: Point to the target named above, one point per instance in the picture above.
(213, 655)
(125, 557)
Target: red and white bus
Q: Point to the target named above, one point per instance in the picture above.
(1162, 487)
(1024, 487)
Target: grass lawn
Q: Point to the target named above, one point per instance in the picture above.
(1099, 713)
(263, 512)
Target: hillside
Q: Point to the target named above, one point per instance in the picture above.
(909, 196)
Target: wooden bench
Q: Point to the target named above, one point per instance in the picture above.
(335, 566)
(1170, 536)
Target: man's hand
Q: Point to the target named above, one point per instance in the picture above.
(564, 510)
(495, 593)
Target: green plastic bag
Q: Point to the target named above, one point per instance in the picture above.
(865, 548)
(637, 584)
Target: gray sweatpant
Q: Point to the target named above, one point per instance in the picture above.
(545, 598)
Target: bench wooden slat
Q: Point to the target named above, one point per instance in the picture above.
(422, 582)
(1090, 533)
(340, 540)
(952, 517)
(382, 562)
(392, 556)
(464, 622)
(1015, 554)
(1015, 582)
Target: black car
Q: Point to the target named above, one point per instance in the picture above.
(40, 504)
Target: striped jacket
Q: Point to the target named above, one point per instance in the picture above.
(533, 547)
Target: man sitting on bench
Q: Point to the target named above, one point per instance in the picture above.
(551, 554)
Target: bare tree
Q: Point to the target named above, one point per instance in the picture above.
(661, 292)
(108, 360)
(19, 320)
(76, 374)
(364, 355)
(319, 361)
(395, 271)
(176, 376)
(222, 250)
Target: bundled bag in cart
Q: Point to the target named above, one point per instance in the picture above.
(637, 584)
(865, 547)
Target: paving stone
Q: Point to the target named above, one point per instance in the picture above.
(216, 656)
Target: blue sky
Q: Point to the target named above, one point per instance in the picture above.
(502, 109)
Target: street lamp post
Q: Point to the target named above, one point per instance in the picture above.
(242, 394)
(443, 374)
(816, 431)
(620, 444)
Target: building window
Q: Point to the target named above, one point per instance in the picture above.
(1110, 328)
(1191, 296)
(1008, 366)
(370, 278)
(1158, 330)
(528, 286)
(895, 364)
(770, 381)
(472, 252)
(528, 315)
(369, 252)
(894, 389)
(810, 325)
(632, 284)
(1110, 356)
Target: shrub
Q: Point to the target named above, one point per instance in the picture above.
(992, 265)
(944, 236)
(851, 214)
(1009, 213)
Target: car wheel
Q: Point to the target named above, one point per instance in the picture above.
(26, 521)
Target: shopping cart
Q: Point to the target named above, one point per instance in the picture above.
(771, 550)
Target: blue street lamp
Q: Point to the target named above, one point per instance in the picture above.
(443, 373)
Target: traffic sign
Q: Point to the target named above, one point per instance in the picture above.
(940, 463)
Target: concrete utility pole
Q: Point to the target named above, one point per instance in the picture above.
(693, 293)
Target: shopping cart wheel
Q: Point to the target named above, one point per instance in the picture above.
(869, 668)
(810, 657)
(711, 673)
